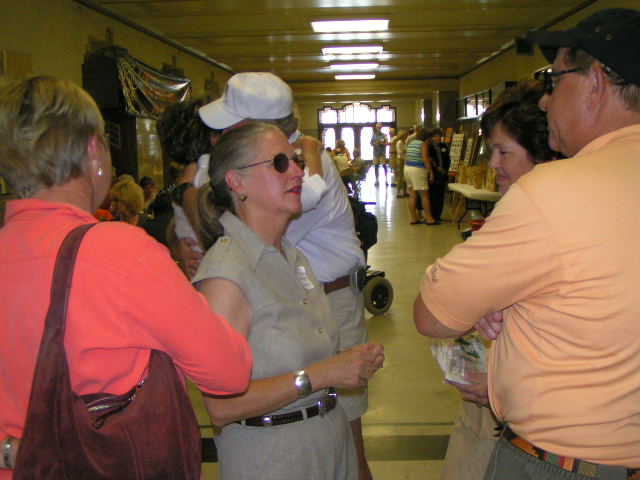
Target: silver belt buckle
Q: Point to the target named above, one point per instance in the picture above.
(322, 404)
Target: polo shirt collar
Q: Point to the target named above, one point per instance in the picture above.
(251, 244)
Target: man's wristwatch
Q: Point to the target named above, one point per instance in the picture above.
(302, 383)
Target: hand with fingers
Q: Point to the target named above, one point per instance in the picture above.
(490, 326)
(188, 258)
(349, 369)
(477, 391)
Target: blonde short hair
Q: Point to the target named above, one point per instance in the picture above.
(130, 194)
(45, 127)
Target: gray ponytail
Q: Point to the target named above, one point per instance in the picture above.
(236, 148)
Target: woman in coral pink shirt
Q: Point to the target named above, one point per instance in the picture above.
(127, 298)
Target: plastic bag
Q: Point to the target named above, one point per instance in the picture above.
(460, 356)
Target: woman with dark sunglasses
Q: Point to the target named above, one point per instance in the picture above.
(287, 424)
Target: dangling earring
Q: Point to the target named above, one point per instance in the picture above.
(243, 197)
(100, 172)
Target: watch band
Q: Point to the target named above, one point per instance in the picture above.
(302, 383)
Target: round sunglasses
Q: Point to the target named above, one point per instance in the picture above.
(280, 162)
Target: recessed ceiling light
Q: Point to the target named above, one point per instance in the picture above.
(350, 25)
(353, 66)
(351, 50)
(365, 76)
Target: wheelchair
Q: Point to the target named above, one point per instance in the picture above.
(376, 289)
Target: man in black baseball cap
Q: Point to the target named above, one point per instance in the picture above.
(560, 257)
(604, 46)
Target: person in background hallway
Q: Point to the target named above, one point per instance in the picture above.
(560, 258)
(419, 174)
(393, 155)
(401, 156)
(379, 143)
(265, 286)
(149, 190)
(161, 215)
(440, 161)
(341, 156)
(127, 201)
(516, 132)
(127, 297)
(325, 234)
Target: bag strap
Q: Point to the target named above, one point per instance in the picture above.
(52, 359)
(61, 284)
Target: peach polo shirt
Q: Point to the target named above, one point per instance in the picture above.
(561, 255)
(127, 297)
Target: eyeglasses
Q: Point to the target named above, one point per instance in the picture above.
(550, 84)
(280, 162)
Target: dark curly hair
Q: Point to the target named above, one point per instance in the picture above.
(183, 136)
(516, 111)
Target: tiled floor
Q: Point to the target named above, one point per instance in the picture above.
(411, 410)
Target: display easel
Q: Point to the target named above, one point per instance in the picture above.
(465, 149)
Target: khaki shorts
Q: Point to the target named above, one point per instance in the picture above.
(379, 160)
(393, 159)
(416, 177)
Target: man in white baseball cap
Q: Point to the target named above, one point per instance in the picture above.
(249, 95)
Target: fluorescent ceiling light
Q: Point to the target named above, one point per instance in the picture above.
(351, 50)
(350, 25)
(365, 76)
(353, 66)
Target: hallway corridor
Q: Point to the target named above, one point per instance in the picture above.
(411, 410)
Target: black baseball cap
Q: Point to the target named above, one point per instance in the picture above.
(611, 36)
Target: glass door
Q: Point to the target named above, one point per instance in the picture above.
(366, 150)
(347, 134)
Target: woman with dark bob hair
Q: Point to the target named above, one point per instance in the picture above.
(516, 131)
(287, 424)
(127, 297)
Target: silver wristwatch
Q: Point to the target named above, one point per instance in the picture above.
(302, 383)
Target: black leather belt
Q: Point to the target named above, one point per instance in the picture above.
(322, 407)
(337, 284)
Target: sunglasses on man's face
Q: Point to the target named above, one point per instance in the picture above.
(280, 162)
(550, 81)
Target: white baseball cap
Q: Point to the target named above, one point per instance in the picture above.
(254, 95)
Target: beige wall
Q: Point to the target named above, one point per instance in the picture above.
(56, 35)
(510, 66)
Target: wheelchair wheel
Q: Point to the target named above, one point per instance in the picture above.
(378, 295)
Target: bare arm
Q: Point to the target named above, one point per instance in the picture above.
(184, 255)
(189, 198)
(429, 325)
(311, 150)
(426, 160)
(349, 369)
